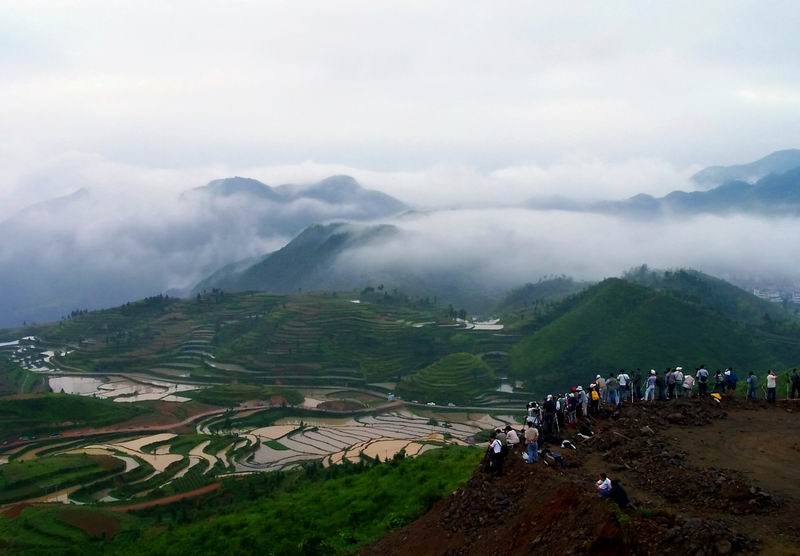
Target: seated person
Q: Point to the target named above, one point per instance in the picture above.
(604, 486)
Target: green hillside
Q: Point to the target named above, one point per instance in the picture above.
(50, 412)
(316, 260)
(716, 294)
(16, 380)
(339, 339)
(457, 378)
(620, 324)
(304, 263)
(527, 298)
(333, 516)
(312, 510)
(355, 339)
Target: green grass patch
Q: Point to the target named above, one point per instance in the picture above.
(60, 530)
(274, 444)
(28, 479)
(328, 516)
(54, 412)
(234, 394)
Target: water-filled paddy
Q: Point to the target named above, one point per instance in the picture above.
(335, 439)
(120, 389)
(287, 443)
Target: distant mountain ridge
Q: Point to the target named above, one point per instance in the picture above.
(334, 190)
(106, 251)
(307, 262)
(778, 162)
(318, 259)
(769, 186)
(775, 194)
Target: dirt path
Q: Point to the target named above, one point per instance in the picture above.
(167, 499)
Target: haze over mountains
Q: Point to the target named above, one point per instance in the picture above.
(94, 249)
(98, 248)
(778, 162)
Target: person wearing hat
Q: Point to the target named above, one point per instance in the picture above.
(601, 387)
(650, 392)
(549, 414)
(572, 408)
(678, 376)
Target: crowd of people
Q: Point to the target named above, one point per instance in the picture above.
(670, 384)
(559, 412)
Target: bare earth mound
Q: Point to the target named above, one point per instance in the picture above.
(676, 460)
(341, 405)
(94, 524)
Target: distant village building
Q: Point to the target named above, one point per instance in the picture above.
(796, 297)
(773, 296)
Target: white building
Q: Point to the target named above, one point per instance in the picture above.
(770, 295)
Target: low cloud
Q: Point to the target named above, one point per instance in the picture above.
(502, 248)
(131, 233)
(579, 177)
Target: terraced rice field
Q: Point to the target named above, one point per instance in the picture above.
(156, 461)
(121, 388)
(304, 340)
(383, 436)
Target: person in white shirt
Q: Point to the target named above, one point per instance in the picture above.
(688, 385)
(678, 376)
(512, 438)
(604, 486)
(772, 386)
(495, 454)
(624, 380)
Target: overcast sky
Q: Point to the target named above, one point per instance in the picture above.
(425, 99)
